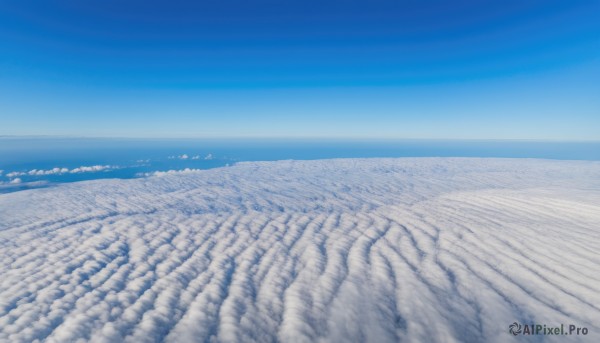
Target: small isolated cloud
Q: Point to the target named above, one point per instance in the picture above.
(16, 181)
(195, 157)
(181, 157)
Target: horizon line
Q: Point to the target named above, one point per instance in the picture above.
(298, 138)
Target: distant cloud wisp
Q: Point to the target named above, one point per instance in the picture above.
(190, 157)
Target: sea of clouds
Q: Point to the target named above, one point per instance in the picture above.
(349, 250)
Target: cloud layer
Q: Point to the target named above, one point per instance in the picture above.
(378, 250)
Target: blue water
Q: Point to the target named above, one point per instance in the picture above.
(130, 158)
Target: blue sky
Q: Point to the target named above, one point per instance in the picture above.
(339, 69)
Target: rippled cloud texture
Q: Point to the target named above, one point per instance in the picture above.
(377, 250)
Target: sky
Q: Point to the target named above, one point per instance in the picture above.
(327, 69)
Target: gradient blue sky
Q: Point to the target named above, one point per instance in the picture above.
(339, 69)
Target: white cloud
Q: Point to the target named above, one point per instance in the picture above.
(91, 169)
(378, 250)
(208, 157)
(15, 181)
(52, 171)
(171, 172)
(60, 171)
(181, 157)
(14, 174)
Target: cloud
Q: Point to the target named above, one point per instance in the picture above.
(194, 157)
(53, 171)
(15, 174)
(181, 157)
(12, 186)
(60, 171)
(376, 250)
(90, 169)
(171, 172)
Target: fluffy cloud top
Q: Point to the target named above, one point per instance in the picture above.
(379, 250)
